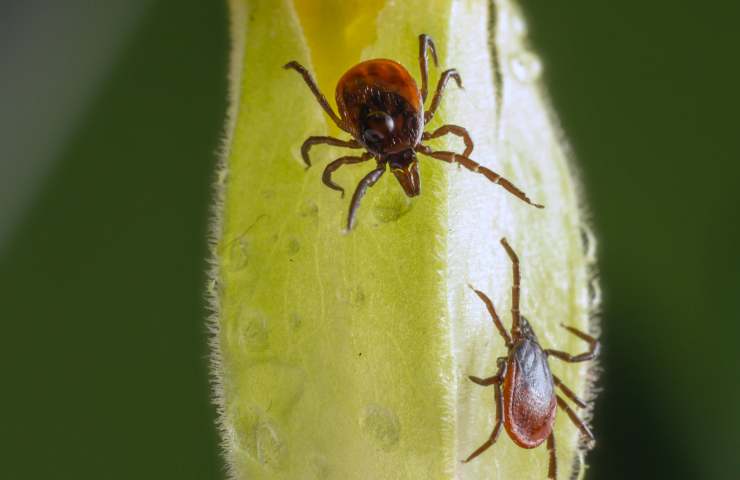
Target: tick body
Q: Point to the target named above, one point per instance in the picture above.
(525, 388)
(381, 106)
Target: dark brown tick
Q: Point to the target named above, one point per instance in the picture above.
(529, 399)
(383, 109)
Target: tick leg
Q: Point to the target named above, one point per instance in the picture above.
(455, 130)
(338, 163)
(485, 382)
(593, 351)
(494, 177)
(568, 392)
(496, 429)
(311, 141)
(585, 431)
(317, 93)
(552, 469)
(425, 43)
(514, 285)
(368, 181)
(446, 75)
(496, 320)
(496, 381)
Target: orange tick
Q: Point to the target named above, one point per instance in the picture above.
(528, 400)
(382, 108)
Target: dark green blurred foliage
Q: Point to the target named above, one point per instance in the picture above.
(104, 356)
(647, 93)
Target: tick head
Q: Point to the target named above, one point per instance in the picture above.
(406, 169)
(525, 329)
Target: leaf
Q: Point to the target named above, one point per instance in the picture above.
(346, 355)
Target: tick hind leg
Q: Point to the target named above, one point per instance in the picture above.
(593, 350)
(497, 426)
(425, 43)
(368, 181)
(441, 84)
(496, 381)
(451, 157)
(552, 469)
(338, 163)
(336, 142)
(585, 431)
(455, 130)
(568, 392)
(317, 93)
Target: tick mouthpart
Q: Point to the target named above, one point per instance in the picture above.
(406, 169)
(408, 177)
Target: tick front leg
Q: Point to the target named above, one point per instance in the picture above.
(593, 351)
(496, 428)
(585, 431)
(317, 93)
(368, 181)
(336, 142)
(552, 469)
(425, 43)
(443, 79)
(516, 280)
(496, 320)
(455, 130)
(326, 177)
(494, 177)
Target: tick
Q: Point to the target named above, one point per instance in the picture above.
(524, 386)
(382, 108)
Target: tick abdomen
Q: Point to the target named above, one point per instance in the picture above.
(529, 398)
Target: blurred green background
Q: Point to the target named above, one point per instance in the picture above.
(111, 114)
